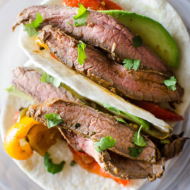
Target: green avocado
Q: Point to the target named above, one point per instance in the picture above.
(153, 34)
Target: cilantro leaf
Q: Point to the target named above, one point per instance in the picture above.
(138, 139)
(53, 119)
(50, 166)
(129, 64)
(49, 79)
(81, 17)
(137, 41)
(38, 21)
(31, 31)
(104, 143)
(134, 151)
(171, 83)
(109, 107)
(31, 27)
(121, 120)
(136, 64)
(81, 53)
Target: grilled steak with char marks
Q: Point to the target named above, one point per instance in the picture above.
(101, 30)
(140, 84)
(88, 122)
(115, 164)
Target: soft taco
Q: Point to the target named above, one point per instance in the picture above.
(81, 108)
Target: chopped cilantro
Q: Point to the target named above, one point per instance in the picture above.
(137, 41)
(81, 17)
(77, 125)
(49, 79)
(121, 120)
(81, 53)
(171, 83)
(31, 27)
(53, 119)
(72, 163)
(129, 64)
(138, 139)
(136, 64)
(134, 151)
(104, 143)
(50, 166)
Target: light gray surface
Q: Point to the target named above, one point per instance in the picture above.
(11, 178)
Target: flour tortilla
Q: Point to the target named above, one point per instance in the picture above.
(89, 89)
(71, 178)
(75, 177)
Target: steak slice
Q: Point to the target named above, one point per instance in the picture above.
(116, 165)
(90, 123)
(140, 84)
(101, 31)
(173, 149)
(29, 81)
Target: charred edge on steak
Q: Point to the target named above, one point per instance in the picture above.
(142, 84)
(93, 121)
(173, 149)
(116, 33)
(116, 165)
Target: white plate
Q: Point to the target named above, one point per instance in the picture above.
(11, 178)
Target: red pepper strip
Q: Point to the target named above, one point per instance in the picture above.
(93, 4)
(88, 163)
(159, 112)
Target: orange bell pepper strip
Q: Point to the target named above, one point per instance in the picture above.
(13, 136)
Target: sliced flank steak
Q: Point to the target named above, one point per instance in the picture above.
(141, 84)
(29, 81)
(101, 30)
(116, 165)
(90, 123)
(174, 148)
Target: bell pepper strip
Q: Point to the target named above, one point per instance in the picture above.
(20, 114)
(37, 40)
(42, 45)
(159, 112)
(93, 4)
(41, 138)
(13, 136)
(88, 163)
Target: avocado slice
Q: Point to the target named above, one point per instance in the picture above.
(153, 34)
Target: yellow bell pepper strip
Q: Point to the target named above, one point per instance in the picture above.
(13, 136)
